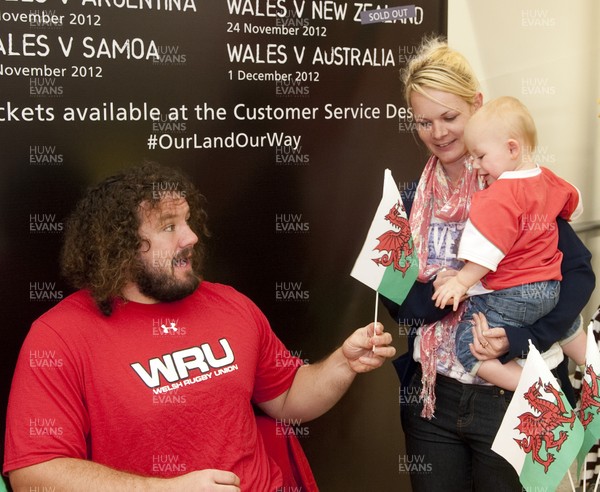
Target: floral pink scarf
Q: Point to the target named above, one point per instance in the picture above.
(434, 197)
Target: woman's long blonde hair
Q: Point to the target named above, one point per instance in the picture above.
(437, 66)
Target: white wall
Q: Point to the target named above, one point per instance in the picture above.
(546, 53)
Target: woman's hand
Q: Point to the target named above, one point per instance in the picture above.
(488, 343)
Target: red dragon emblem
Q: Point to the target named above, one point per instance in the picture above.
(395, 243)
(589, 393)
(539, 429)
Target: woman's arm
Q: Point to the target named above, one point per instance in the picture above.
(576, 288)
(418, 309)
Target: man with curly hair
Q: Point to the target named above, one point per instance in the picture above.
(145, 378)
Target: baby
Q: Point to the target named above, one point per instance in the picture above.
(509, 243)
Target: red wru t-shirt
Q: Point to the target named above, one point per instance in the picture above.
(157, 390)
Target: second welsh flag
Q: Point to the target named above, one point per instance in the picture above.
(590, 397)
(388, 262)
(540, 434)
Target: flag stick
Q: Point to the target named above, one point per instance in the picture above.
(596, 486)
(571, 480)
(376, 309)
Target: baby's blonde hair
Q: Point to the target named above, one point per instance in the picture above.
(511, 116)
(439, 67)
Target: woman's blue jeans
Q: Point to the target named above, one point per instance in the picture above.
(453, 449)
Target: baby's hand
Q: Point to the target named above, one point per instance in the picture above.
(442, 277)
(450, 292)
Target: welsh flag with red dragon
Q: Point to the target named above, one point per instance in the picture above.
(589, 407)
(540, 434)
(388, 262)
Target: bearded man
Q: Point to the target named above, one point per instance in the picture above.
(145, 324)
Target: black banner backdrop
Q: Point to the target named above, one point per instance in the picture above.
(284, 112)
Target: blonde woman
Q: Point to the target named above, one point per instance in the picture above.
(443, 93)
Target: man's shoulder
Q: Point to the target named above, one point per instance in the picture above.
(214, 289)
(79, 303)
(70, 316)
(222, 294)
(216, 292)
